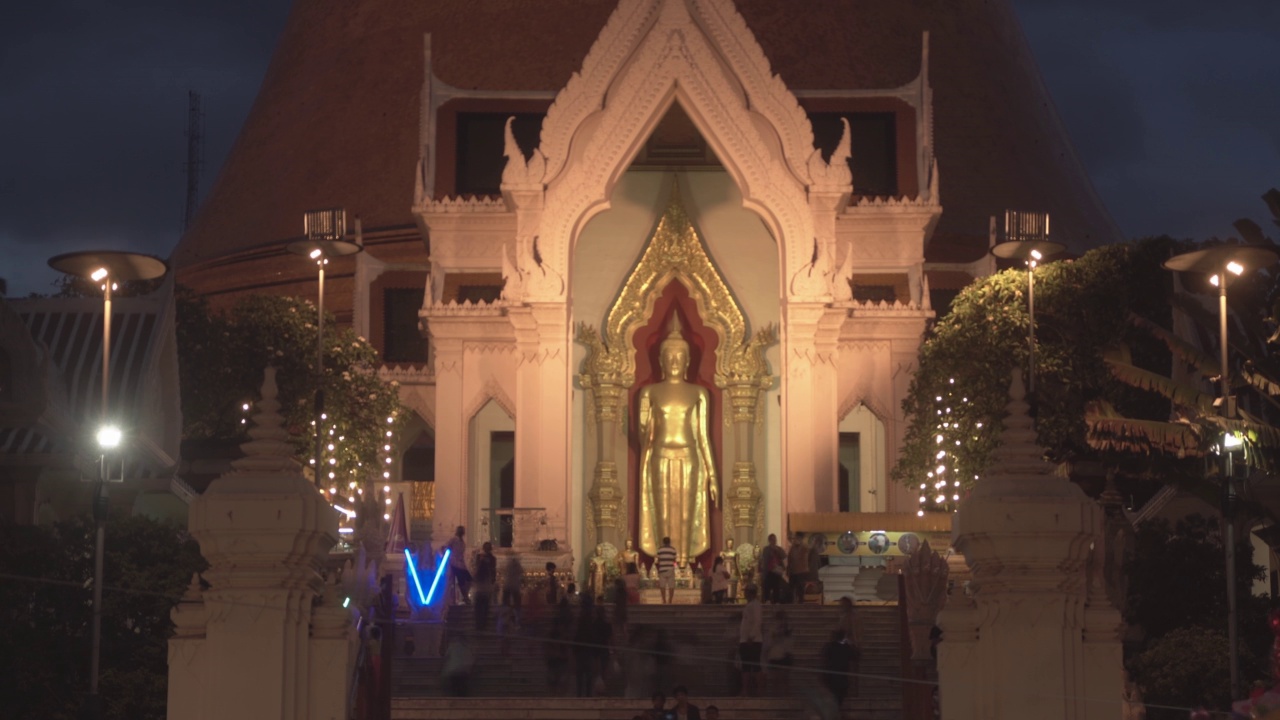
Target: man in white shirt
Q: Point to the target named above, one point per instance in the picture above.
(750, 643)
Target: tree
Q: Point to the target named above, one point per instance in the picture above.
(221, 357)
(45, 610)
(1177, 608)
(1083, 311)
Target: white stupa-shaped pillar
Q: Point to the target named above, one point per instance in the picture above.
(1038, 637)
(246, 647)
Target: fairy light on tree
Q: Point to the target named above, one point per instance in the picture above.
(940, 490)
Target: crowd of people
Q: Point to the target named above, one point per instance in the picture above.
(590, 649)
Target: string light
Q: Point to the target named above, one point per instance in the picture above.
(942, 481)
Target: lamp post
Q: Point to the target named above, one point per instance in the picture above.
(1030, 252)
(1222, 263)
(105, 267)
(324, 232)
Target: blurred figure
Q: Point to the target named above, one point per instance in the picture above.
(773, 562)
(557, 646)
(851, 628)
(719, 581)
(486, 578)
(798, 567)
(585, 649)
(780, 654)
(836, 657)
(750, 642)
(552, 586)
(631, 580)
(683, 709)
(658, 707)
(458, 660)
(513, 585)
(457, 547)
(711, 712)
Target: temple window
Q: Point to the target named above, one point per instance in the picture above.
(472, 287)
(479, 159)
(401, 340)
(873, 140)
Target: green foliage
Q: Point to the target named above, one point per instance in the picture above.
(1187, 669)
(1177, 603)
(46, 612)
(1082, 309)
(222, 355)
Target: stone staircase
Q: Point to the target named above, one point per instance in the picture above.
(701, 642)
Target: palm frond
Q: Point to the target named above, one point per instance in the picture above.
(1106, 429)
(1178, 393)
(1181, 349)
(1258, 381)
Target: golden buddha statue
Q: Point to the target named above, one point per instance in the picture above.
(677, 471)
(627, 557)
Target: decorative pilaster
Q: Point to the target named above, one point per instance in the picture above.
(1035, 643)
(606, 379)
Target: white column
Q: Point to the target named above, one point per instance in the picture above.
(451, 441)
(810, 426)
(543, 432)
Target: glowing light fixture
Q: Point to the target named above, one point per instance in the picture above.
(109, 437)
(413, 573)
(444, 563)
(1232, 440)
(98, 274)
(1235, 267)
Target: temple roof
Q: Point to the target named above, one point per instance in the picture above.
(336, 120)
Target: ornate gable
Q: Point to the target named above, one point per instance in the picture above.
(650, 54)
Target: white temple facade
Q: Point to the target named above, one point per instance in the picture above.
(758, 253)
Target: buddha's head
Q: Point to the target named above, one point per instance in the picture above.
(673, 353)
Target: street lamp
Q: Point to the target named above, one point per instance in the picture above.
(1223, 263)
(324, 231)
(1029, 242)
(105, 268)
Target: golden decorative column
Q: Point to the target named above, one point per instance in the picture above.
(744, 383)
(607, 384)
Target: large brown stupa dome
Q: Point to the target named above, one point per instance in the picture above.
(336, 122)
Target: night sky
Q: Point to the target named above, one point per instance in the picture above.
(1173, 105)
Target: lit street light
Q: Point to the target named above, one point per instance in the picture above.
(1028, 242)
(105, 267)
(1222, 263)
(325, 231)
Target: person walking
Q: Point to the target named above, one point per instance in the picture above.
(851, 628)
(719, 581)
(553, 585)
(513, 586)
(773, 562)
(750, 642)
(780, 654)
(585, 647)
(836, 656)
(798, 567)
(667, 571)
(457, 547)
(486, 580)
